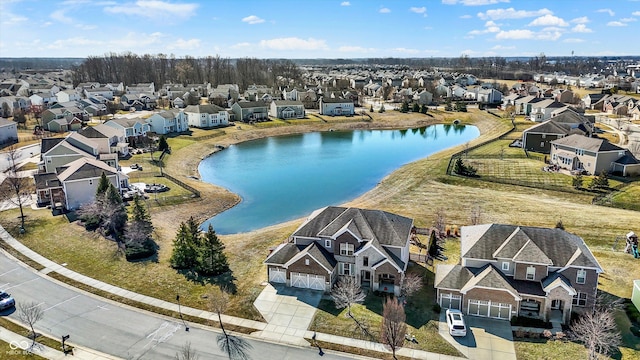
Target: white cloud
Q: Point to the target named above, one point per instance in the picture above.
(580, 20)
(46, 24)
(636, 13)
(294, 43)
(581, 28)
(573, 40)
(59, 15)
(511, 13)
(384, 10)
(9, 19)
(252, 20)
(466, 16)
(473, 2)
(608, 11)
(418, 10)
(182, 44)
(86, 27)
(515, 35)
(345, 3)
(73, 42)
(490, 27)
(629, 19)
(242, 45)
(548, 20)
(405, 50)
(616, 23)
(550, 34)
(155, 9)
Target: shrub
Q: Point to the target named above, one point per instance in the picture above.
(436, 308)
(635, 331)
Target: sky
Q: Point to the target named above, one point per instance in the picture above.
(319, 28)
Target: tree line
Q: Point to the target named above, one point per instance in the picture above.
(130, 68)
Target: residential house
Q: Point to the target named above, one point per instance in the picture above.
(131, 129)
(249, 111)
(57, 152)
(13, 103)
(423, 97)
(168, 121)
(64, 124)
(141, 88)
(336, 107)
(543, 109)
(178, 103)
(107, 139)
(371, 245)
(206, 116)
(42, 99)
(488, 95)
(590, 155)
(510, 270)
(67, 95)
(287, 109)
(105, 92)
(8, 131)
(539, 137)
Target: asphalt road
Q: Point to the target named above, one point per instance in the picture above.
(120, 330)
(22, 154)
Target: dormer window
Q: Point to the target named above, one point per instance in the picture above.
(505, 266)
(581, 276)
(306, 262)
(327, 244)
(346, 249)
(531, 273)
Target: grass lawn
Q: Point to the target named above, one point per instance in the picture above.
(421, 320)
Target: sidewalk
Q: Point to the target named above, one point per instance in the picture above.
(279, 334)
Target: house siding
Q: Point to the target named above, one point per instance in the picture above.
(300, 267)
(533, 141)
(589, 287)
(495, 296)
(521, 272)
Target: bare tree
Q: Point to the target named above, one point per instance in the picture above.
(597, 329)
(440, 222)
(235, 347)
(394, 326)
(30, 314)
(347, 292)
(411, 284)
(475, 215)
(14, 188)
(187, 353)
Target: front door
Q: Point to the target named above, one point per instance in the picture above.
(365, 276)
(556, 304)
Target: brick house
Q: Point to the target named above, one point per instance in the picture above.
(509, 270)
(371, 245)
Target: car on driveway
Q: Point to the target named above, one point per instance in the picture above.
(6, 301)
(455, 321)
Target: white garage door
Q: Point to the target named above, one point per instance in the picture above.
(489, 309)
(308, 281)
(316, 282)
(277, 275)
(450, 301)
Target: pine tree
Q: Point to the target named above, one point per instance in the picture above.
(162, 144)
(114, 212)
(416, 108)
(138, 233)
(424, 109)
(103, 185)
(185, 252)
(405, 107)
(212, 260)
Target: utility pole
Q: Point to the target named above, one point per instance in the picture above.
(186, 328)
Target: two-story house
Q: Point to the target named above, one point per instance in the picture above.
(371, 245)
(510, 270)
(591, 155)
(206, 116)
(248, 111)
(336, 106)
(131, 129)
(168, 121)
(287, 109)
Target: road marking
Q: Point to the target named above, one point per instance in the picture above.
(104, 307)
(16, 285)
(10, 271)
(162, 334)
(3, 285)
(60, 303)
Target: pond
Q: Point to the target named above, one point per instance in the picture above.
(287, 177)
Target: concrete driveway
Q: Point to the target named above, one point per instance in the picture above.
(288, 312)
(486, 338)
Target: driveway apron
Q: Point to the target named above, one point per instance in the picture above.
(487, 339)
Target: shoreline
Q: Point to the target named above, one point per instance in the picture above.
(216, 199)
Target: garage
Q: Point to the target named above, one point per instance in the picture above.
(277, 275)
(489, 309)
(451, 301)
(308, 281)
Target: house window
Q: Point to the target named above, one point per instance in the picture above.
(579, 152)
(327, 244)
(531, 273)
(345, 269)
(365, 261)
(90, 181)
(306, 261)
(580, 299)
(346, 249)
(581, 276)
(505, 266)
(544, 136)
(542, 144)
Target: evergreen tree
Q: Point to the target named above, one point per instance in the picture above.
(163, 145)
(424, 109)
(577, 181)
(114, 212)
(185, 252)
(405, 107)
(447, 106)
(370, 109)
(381, 109)
(138, 232)
(103, 185)
(212, 260)
(416, 107)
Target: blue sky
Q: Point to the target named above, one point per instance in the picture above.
(319, 28)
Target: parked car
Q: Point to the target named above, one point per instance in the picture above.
(6, 301)
(455, 321)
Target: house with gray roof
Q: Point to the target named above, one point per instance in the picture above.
(538, 138)
(370, 245)
(336, 106)
(248, 111)
(287, 109)
(8, 131)
(206, 116)
(584, 154)
(510, 270)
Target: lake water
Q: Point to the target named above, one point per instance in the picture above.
(287, 177)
